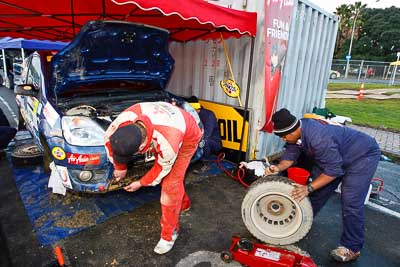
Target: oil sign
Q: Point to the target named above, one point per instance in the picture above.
(230, 120)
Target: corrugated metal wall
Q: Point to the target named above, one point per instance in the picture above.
(201, 65)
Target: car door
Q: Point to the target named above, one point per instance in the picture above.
(30, 106)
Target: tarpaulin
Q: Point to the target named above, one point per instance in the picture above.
(32, 44)
(55, 217)
(61, 20)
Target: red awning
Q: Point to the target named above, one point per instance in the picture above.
(61, 19)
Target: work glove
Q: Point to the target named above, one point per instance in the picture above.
(272, 170)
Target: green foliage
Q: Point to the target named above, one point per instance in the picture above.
(369, 112)
(377, 34)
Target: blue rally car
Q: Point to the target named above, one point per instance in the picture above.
(68, 100)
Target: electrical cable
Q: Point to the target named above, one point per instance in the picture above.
(239, 174)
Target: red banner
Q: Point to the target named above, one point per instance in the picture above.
(277, 24)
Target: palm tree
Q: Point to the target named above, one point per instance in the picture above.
(344, 27)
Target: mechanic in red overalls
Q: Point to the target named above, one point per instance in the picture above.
(172, 135)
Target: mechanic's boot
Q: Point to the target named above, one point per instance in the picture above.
(343, 254)
(163, 246)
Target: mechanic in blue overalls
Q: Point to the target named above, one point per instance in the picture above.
(211, 137)
(340, 154)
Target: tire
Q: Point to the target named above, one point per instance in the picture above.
(272, 215)
(333, 76)
(1, 80)
(26, 155)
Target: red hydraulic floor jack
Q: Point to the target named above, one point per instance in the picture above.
(257, 255)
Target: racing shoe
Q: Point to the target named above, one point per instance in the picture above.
(343, 254)
(163, 246)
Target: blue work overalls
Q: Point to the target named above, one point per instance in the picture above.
(211, 136)
(350, 156)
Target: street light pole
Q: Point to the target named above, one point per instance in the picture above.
(395, 67)
(348, 57)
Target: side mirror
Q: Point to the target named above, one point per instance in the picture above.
(25, 89)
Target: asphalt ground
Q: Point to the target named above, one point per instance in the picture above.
(129, 239)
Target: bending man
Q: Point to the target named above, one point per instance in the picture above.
(172, 135)
(340, 154)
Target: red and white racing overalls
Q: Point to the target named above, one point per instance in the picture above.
(173, 136)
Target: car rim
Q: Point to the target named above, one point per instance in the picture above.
(32, 149)
(276, 215)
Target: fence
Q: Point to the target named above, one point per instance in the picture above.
(364, 71)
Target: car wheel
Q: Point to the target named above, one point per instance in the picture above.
(272, 215)
(333, 76)
(1, 81)
(26, 155)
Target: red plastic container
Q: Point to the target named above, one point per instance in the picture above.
(298, 175)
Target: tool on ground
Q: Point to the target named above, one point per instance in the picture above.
(377, 187)
(255, 254)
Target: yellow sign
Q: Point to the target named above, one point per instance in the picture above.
(58, 153)
(230, 122)
(230, 88)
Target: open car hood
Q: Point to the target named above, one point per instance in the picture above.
(105, 51)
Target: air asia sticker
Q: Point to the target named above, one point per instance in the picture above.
(58, 153)
(83, 159)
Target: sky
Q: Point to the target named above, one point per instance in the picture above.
(330, 5)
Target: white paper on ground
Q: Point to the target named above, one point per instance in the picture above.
(55, 181)
(257, 166)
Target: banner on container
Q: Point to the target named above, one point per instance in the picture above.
(277, 24)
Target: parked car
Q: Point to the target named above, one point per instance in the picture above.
(68, 100)
(333, 74)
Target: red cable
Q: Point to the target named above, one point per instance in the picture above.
(240, 172)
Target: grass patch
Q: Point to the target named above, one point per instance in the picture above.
(369, 112)
(356, 86)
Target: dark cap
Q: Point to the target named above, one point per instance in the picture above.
(194, 102)
(125, 142)
(284, 122)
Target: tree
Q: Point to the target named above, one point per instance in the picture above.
(376, 34)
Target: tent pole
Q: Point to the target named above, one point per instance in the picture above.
(73, 17)
(4, 65)
(23, 54)
(246, 105)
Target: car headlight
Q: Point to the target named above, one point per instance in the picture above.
(82, 131)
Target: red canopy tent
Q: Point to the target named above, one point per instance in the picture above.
(60, 20)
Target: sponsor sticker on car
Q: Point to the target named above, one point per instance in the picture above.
(83, 159)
